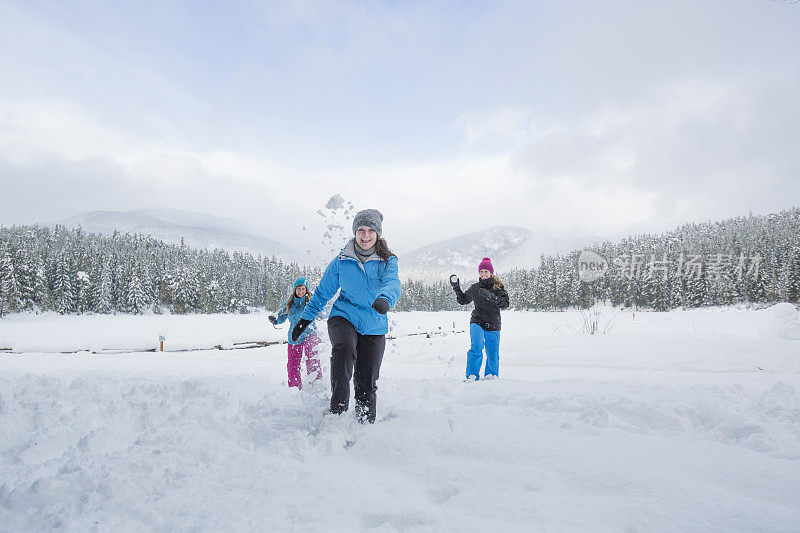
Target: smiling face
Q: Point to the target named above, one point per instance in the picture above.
(484, 274)
(300, 291)
(366, 237)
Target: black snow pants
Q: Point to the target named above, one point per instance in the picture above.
(365, 352)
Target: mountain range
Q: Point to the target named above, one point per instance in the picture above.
(197, 230)
(507, 246)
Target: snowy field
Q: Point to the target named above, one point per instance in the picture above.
(681, 421)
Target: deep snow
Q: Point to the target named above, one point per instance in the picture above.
(675, 421)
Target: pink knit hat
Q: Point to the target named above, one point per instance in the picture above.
(486, 264)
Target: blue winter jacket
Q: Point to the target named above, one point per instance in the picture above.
(360, 284)
(294, 314)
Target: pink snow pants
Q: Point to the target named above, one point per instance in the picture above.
(309, 346)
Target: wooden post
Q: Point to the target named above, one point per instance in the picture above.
(161, 340)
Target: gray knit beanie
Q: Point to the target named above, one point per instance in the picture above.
(368, 217)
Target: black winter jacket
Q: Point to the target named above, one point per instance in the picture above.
(488, 303)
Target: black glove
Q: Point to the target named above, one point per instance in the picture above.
(486, 294)
(381, 306)
(454, 282)
(273, 319)
(299, 328)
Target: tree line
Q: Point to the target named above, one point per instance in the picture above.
(744, 259)
(752, 259)
(70, 271)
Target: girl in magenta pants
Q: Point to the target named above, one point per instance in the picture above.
(307, 342)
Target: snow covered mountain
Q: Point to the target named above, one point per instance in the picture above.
(507, 246)
(198, 230)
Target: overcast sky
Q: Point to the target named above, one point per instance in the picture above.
(589, 118)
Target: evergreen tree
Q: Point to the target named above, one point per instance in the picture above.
(41, 293)
(793, 292)
(82, 287)
(102, 301)
(183, 294)
(63, 293)
(136, 297)
(12, 290)
(24, 275)
(697, 290)
(5, 277)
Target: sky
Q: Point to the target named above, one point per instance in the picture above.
(589, 118)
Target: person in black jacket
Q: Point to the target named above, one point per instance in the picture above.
(489, 296)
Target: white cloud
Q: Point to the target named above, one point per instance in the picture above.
(507, 123)
(30, 129)
(695, 148)
(36, 130)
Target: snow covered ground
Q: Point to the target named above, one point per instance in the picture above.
(683, 421)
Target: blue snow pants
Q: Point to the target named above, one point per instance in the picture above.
(479, 338)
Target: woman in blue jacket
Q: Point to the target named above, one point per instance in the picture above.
(365, 273)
